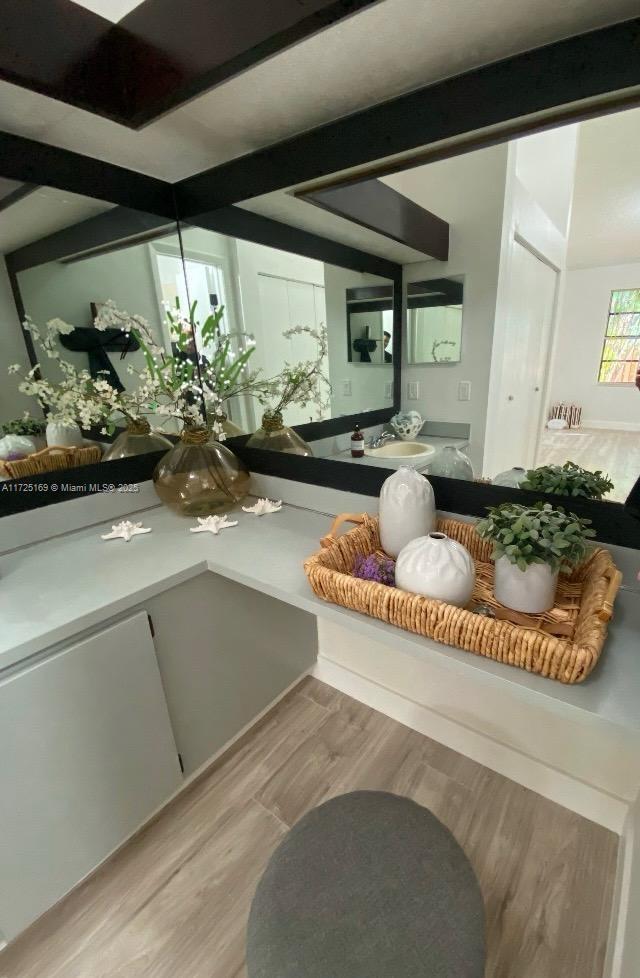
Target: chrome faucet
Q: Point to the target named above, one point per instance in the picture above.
(381, 439)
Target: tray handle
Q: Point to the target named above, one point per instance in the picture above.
(330, 539)
(615, 579)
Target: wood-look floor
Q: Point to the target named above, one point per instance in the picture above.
(614, 452)
(173, 902)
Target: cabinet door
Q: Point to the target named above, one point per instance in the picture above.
(87, 754)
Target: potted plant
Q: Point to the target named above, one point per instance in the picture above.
(300, 383)
(26, 427)
(531, 545)
(568, 480)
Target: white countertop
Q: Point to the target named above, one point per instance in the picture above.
(51, 591)
(393, 463)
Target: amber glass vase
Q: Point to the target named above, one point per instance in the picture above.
(276, 437)
(137, 439)
(199, 476)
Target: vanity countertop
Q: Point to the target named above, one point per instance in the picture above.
(52, 591)
(437, 441)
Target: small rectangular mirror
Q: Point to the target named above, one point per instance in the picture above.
(434, 320)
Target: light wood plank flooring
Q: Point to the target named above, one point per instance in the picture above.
(173, 902)
(614, 452)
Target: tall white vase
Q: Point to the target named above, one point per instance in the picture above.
(437, 567)
(532, 590)
(67, 436)
(407, 509)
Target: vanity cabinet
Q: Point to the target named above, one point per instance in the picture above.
(87, 755)
(225, 652)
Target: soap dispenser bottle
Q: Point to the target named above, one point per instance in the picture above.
(357, 443)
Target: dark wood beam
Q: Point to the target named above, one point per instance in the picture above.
(160, 55)
(373, 205)
(602, 64)
(16, 195)
(32, 162)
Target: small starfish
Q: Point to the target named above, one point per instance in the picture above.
(263, 507)
(125, 530)
(212, 524)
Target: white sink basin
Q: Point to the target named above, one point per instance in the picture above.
(402, 449)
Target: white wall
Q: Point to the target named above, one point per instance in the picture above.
(580, 336)
(66, 291)
(545, 165)
(468, 192)
(12, 350)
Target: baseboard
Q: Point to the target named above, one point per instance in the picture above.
(579, 797)
(610, 425)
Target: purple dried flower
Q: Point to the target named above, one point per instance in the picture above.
(375, 567)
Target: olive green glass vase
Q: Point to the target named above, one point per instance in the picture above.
(136, 439)
(199, 476)
(276, 437)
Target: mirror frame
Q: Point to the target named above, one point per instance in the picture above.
(576, 79)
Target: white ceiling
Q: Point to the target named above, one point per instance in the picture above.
(42, 212)
(383, 51)
(605, 220)
(113, 10)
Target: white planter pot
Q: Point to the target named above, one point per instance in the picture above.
(532, 591)
(512, 477)
(437, 567)
(407, 509)
(67, 436)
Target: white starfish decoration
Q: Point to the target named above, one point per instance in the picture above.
(212, 524)
(263, 507)
(125, 530)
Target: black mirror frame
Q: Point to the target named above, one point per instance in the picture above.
(571, 80)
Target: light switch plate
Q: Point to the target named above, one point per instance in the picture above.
(464, 390)
(413, 390)
(346, 388)
(388, 390)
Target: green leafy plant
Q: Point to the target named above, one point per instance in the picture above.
(568, 480)
(24, 426)
(539, 534)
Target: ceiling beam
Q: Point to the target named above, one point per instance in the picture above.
(602, 66)
(374, 205)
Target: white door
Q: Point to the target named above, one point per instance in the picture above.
(532, 290)
(87, 755)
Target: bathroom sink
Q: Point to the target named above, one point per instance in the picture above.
(401, 449)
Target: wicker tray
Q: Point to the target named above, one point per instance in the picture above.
(563, 644)
(50, 460)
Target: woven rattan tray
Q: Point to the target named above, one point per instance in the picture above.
(50, 460)
(563, 644)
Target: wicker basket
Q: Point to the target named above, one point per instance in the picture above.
(51, 459)
(563, 644)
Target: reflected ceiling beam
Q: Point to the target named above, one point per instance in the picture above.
(571, 80)
(375, 206)
(16, 195)
(158, 56)
(50, 166)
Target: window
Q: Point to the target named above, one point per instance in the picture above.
(621, 350)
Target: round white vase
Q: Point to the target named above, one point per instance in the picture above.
(437, 567)
(532, 590)
(407, 509)
(66, 436)
(451, 463)
(512, 477)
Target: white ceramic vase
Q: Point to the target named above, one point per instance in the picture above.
(532, 590)
(451, 463)
(437, 567)
(512, 477)
(407, 509)
(67, 436)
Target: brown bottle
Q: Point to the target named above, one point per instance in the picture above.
(357, 443)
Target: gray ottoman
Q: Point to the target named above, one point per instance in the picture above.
(368, 885)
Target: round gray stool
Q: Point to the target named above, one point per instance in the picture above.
(368, 885)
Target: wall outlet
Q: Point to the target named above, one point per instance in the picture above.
(464, 390)
(413, 390)
(346, 388)
(388, 390)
